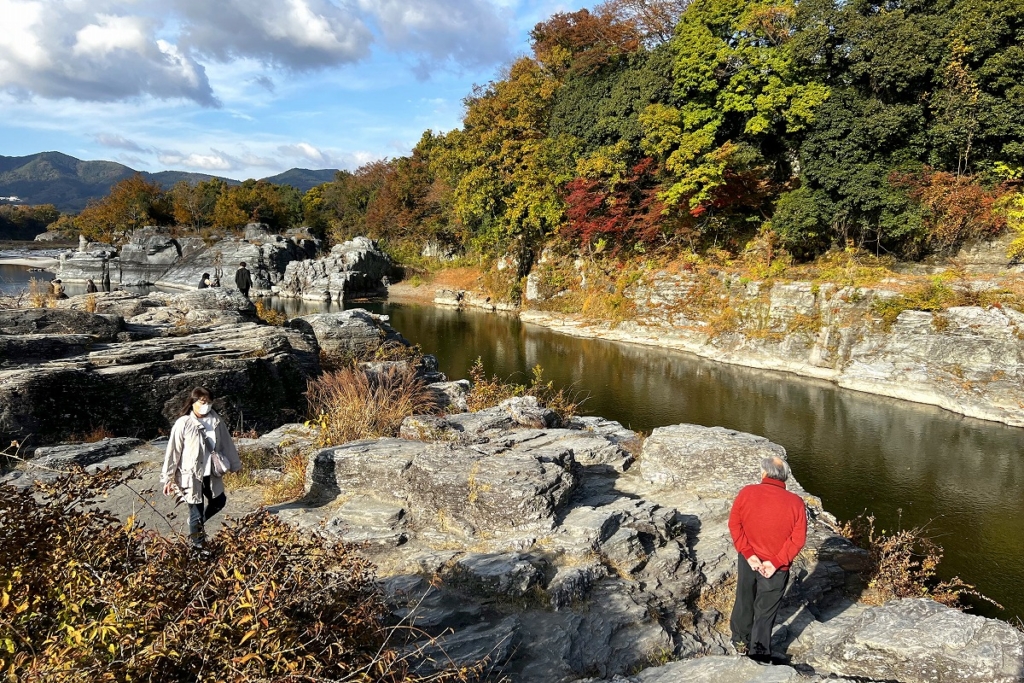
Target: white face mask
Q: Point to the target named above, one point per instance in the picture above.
(201, 408)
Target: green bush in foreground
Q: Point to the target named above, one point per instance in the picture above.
(84, 596)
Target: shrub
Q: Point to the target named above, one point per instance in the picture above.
(85, 597)
(487, 393)
(269, 315)
(351, 404)
(903, 563)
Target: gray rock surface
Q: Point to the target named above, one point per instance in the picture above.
(153, 256)
(136, 384)
(722, 670)
(84, 453)
(603, 569)
(914, 641)
(357, 267)
(24, 321)
(351, 334)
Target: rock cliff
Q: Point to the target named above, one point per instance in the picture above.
(154, 256)
(966, 359)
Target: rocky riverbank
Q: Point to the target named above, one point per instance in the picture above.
(574, 551)
(966, 359)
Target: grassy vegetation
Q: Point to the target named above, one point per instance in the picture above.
(487, 392)
(85, 596)
(351, 404)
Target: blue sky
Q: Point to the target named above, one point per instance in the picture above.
(248, 88)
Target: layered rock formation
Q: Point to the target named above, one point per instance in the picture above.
(356, 268)
(551, 552)
(555, 552)
(128, 367)
(154, 257)
(966, 359)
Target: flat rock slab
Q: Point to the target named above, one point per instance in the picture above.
(58, 321)
(712, 462)
(84, 453)
(914, 641)
(721, 670)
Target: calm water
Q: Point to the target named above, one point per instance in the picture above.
(962, 477)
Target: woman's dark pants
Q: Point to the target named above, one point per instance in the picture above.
(757, 603)
(199, 513)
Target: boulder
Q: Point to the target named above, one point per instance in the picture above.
(913, 641)
(23, 321)
(84, 454)
(723, 670)
(714, 461)
(257, 373)
(357, 267)
(154, 255)
(351, 334)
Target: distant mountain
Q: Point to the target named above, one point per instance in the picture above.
(303, 178)
(69, 183)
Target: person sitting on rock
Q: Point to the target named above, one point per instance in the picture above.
(204, 281)
(90, 287)
(243, 279)
(199, 453)
(58, 289)
(769, 528)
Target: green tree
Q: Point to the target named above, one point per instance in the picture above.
(193, 203)
(738, 102)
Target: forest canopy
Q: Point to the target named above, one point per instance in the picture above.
(893, 126)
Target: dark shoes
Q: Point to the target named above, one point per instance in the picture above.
(778, 660)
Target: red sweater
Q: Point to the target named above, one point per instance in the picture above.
(768, 521)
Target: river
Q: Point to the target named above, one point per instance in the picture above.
(908, 464)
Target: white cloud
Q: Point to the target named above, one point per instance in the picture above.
(111, 33)
(205, 162)
(296, 35)
(89, 51)
(469, 33)
(119, 142)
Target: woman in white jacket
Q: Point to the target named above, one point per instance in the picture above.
(199, 452)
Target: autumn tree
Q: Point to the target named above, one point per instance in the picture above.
(130, 205)
(738, 101)
(257, 201)
(193, 203)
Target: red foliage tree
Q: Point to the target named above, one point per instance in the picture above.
(626, 211)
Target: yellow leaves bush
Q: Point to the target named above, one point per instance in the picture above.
(85, 597)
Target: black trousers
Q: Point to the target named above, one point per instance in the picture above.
(200, 512)
(757, 603)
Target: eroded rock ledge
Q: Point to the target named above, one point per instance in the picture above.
(566, 551)
(968, 359)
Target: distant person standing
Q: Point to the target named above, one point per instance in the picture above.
(243, 279)
(90, 287)
(204, 281)
(769, 528)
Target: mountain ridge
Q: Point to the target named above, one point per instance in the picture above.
(69, 183)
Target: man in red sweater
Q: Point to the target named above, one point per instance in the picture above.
(769, 527)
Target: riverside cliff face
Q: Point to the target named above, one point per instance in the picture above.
(967, 359)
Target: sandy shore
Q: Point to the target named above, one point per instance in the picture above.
(405, 292)
(30, 261)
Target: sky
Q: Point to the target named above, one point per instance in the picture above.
(248, 88)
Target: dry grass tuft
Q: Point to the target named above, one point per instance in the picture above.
(351, 404)
(903, 563)
(269, 315)
(489, 392)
